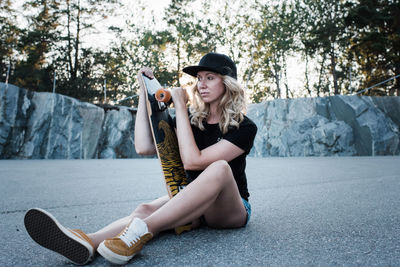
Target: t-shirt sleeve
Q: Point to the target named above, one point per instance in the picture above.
(243, 136)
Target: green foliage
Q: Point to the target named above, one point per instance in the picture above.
(274, 42)
(34, 46)
(323, 31)
(147, 50)
(345, 45)
(375, 42)
(9, 35)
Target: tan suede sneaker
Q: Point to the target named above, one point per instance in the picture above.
(122, 248)
(45, 230)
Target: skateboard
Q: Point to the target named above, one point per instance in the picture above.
(165, 140)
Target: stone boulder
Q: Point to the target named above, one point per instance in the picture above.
(117, 135)
(53, 126)
(329, 126)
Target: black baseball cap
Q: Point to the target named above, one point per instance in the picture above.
(214, 62)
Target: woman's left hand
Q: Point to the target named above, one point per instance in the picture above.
(179, 97)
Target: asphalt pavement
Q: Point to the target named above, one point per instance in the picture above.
(306, 211)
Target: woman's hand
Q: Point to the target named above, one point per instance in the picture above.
(179, 96)
(148, 72)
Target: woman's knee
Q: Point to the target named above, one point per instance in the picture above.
(143, 210)
(221, 171)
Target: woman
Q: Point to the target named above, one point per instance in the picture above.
(214, 140)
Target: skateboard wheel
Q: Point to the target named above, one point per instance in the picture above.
(163, 95)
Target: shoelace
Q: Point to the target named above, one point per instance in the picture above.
(128, 239)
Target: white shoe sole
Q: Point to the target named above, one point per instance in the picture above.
(113, 257)
(45, 230)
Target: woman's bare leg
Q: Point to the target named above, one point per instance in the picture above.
(213, 194)
(113, 229)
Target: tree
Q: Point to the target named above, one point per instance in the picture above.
(146, 48)
(77, 19)
(375, 42)
(9, 35)
(35, 45)
(307, 46)
(231, 28)
(179, 19)
(275, 41)
(326, 33)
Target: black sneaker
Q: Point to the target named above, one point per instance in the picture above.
(45, 230)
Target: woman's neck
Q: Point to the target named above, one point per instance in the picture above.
(214, 115)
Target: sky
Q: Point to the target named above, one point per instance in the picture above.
(103, 38)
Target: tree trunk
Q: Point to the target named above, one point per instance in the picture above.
(306, 76)
(321, 72)
(286, 82)
(277, 82)
(396, 87)
(277, 78)
(77, 40)
(71, 67)
(333, 71)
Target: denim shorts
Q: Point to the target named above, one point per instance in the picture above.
(248, 210)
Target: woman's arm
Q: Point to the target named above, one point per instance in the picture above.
(144, 143)
(192, 157)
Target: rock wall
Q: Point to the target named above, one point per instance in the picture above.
(52, 126)
(329, 126)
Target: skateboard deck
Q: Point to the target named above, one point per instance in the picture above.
(165, 140)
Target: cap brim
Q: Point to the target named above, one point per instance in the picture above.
(193, 70)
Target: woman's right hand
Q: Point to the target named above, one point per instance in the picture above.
(148, 72)
(179, 96)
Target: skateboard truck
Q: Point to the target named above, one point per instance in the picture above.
(161, 106)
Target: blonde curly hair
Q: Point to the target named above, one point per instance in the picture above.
(233, 105)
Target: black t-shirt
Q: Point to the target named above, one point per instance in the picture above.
(242, 137)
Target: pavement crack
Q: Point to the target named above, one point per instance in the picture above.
(74, 205)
